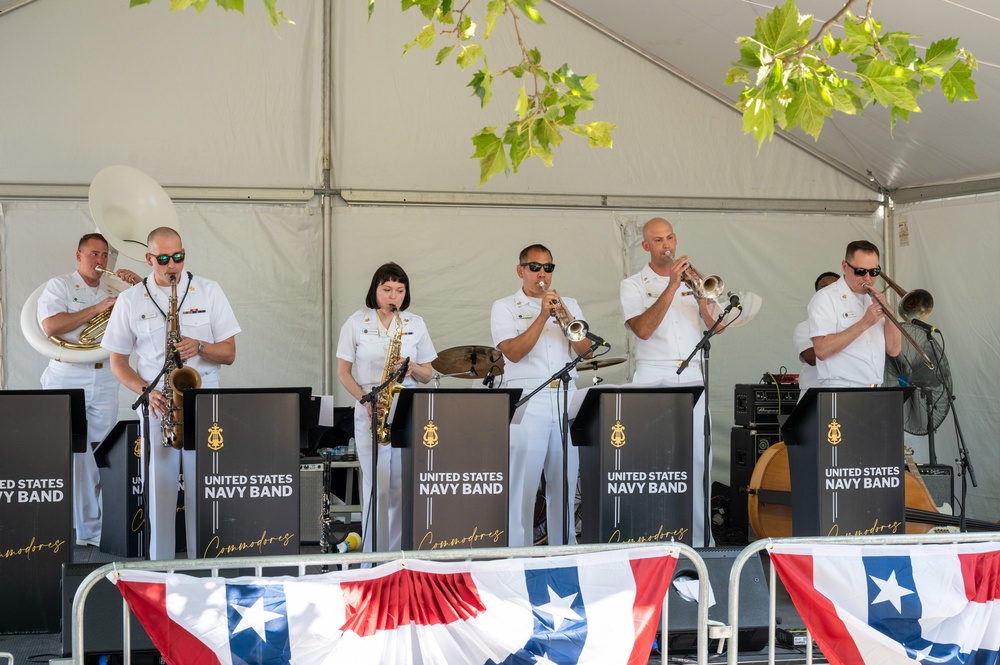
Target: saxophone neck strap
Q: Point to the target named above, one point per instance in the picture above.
(145, 285)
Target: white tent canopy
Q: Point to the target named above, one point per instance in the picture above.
(235, 119)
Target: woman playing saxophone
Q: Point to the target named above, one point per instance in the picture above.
(384, 329)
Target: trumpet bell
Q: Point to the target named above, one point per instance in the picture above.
(126, 205)
(712, 287)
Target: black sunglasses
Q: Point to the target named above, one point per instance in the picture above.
(535, 266)
(164, 259)
(861, 272)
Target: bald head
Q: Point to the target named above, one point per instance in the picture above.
(657, 226)
(162, 233)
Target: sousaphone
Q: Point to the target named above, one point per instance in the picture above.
(126, 205)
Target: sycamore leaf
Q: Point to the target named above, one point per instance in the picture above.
(958, 83)
(467, 28)
(522, 103)
(528, 7)
(469, 55)
(443, 54)
(547, 132)
(371, 9)
(275, 15)
(598, 133)
(941, 53)
(737, 75)
(480, 85)
(518, 137)
(887, 84)
(784, 28)
(807, 109)
(136, 3)
(758, 120)
(490, 153)
(494, 8)
(898, 43)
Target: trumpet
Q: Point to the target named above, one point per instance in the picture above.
(112, 276)
(710, 287)
(574, 329)
(916, 304)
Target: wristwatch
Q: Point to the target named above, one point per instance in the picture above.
(201, 348)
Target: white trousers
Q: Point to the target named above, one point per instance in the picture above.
(100, 390)
(536, 447)
(389, 520)
(658, 372)
(165, 467)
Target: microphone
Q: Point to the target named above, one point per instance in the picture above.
(734, 301)
(401, 374)
(351, 542)
(926, 326)
(488, 381)
(597, 339)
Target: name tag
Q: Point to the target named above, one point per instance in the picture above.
(147, 315)
(525, 316)
(78, 299)
(850, 315)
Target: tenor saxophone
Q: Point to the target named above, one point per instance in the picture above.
(178, 379)
(385, 397)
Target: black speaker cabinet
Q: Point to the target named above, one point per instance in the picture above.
(102, 627)
(940, 482)
(310, 502)
(746, 447)
(682, 624)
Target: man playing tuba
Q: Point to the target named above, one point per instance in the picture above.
(207, 341)
(65, 308)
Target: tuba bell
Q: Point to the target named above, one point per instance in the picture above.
(126, 205)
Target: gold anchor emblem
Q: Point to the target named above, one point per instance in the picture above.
(430, 434)
(618, 434)
(215, 441)
(137, 449)
(833, 436)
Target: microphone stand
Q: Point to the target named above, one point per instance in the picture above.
(147, 451)
(563, 376)
(964, 461)
(705, 346)
(372, 397)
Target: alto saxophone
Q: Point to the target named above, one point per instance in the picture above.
(177, 379)
(385, 397)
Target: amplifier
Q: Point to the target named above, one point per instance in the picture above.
(758, 404)
(940, 482)
(746, 447)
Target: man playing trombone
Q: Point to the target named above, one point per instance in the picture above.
(665, 316)
(847, 323)
(527, 330)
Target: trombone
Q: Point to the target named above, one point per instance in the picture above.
(916, 304)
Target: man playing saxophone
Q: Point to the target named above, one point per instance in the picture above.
(527, 331)
(207, 341)
(65, 308)
(374, 342)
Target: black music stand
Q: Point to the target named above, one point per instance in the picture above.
(636, 463)
(456, 450)
(845, 457)
(247, 443)
(41, 429)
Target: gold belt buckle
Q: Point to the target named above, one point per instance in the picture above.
(554, 383)
(98, 365)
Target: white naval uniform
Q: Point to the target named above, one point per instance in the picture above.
(364, 343)
(70, 293)
(834, 309)
(808, 375)
(136, 324)
(657, 359)
(536, 442)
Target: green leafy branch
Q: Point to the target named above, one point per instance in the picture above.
(791, 80)
(273, 14)
(548, 100)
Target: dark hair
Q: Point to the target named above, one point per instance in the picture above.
(860, 246)
(388, 272)
(88, 237)
(824, 276)
(532, 248)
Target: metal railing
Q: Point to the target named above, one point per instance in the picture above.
(310, 564)
(732, 629)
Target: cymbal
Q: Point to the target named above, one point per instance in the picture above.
(469, 362)
(599, 363)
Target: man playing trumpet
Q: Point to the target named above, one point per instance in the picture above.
(666, 319)
(847, 323)
(527, 331)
